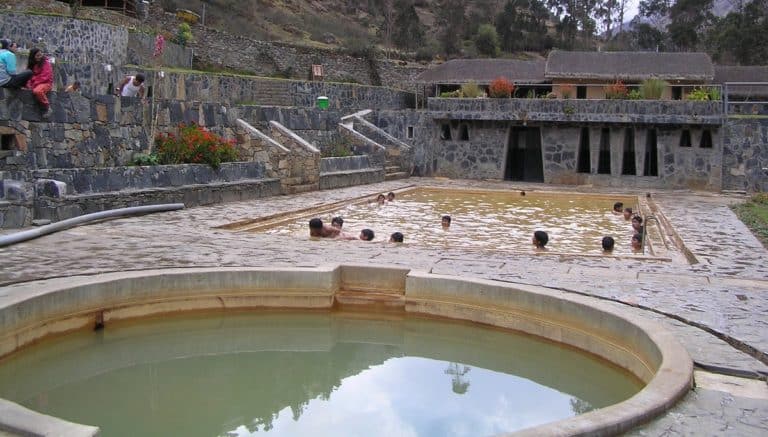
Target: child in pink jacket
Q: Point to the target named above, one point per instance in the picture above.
(41, 81)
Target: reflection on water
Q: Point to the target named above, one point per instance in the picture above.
(307, 374)
(498, 221)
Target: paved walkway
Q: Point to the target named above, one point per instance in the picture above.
(718, 307)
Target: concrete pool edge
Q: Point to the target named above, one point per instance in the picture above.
(30, 311)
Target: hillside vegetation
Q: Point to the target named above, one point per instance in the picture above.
(490, 28)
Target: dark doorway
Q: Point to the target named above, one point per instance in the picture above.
(651, 161)
(581, 92)
(524, 162)
(604, 160)
(628, 157)
(585, 160)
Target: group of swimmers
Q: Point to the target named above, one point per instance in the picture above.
(318, 229)
(540, 238)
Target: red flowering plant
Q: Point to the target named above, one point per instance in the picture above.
(194, 145)
(616, 90)
(501, 88)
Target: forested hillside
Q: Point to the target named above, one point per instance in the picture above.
(732, 31)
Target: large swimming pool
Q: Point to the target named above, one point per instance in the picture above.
(480, 220)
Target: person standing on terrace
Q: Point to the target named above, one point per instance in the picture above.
(41, 82)
(8, 76)
(131, 86)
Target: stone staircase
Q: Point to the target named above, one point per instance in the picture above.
(393, 154)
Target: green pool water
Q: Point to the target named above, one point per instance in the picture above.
(308, 373)
(485, 220)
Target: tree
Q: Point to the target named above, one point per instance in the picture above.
(740, 35)
(522, 26)
(487, 41)
(408, 31)
(688, 19)
(451, 22)
(647, 37)
(576, 16)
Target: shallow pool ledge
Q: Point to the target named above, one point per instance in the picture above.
(34, 310)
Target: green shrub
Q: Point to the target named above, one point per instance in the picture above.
(145, 159)
(653, 89)
(470, 90)
(635, 95)
(183, 34)
(194, 145)
(698, 94)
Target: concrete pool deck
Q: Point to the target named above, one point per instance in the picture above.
(717, 308)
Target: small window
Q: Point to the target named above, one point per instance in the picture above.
(7, 142)
(409, 132)
(706, 139)
(463, 132)
(677, 93)
(581, 92)
(445, 131)
(685, 138)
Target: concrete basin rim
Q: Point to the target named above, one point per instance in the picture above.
(671, 381)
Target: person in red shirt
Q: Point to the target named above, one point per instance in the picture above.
(41, 81)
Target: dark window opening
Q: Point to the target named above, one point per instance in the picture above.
(685, 138)
(604, 161)
(445, 132)
(585, 161)
(464, 133)
(651, 162)
(7, 142)
(409, 132)
(706, 139)
(581, 92)
(677, 93)
(628, 157)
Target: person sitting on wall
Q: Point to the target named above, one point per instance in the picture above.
(41, 82)
(627, 213)
(396, 237)
(318, 229)
(540, 239)
(8, 76)
(618, 208)
(445, 221)
(637, 242)
(366, 235)
(608, 243)
(131, 86)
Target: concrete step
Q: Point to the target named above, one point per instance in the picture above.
(392, 168)
(397, 175)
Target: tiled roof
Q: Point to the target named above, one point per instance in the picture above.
(629, 66)
(753, 73)
(484, 71)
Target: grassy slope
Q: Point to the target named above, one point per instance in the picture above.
(754, 214)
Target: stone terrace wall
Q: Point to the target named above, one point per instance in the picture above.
(236, 90)
(745, 154)
(89, 42)
(67, 38)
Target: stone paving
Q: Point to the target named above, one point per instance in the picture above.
(718, 307)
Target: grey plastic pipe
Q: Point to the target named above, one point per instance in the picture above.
(18, 237)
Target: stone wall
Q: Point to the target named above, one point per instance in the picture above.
(141, 48)
(251, 90)
(745, 154)
(67, 38)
